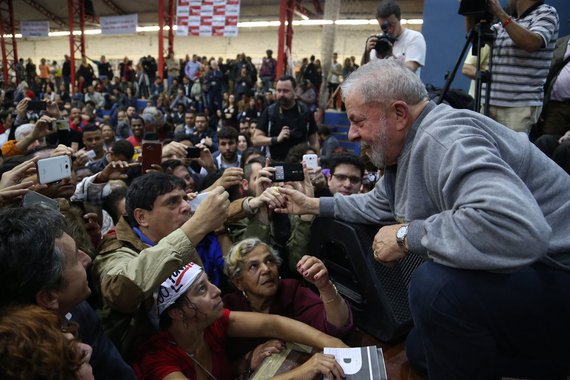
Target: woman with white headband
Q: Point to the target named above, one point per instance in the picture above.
(194, 326)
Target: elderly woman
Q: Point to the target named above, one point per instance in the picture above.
(194, 327)
(252, 266)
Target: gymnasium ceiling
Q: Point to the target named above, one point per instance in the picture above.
(251, 10)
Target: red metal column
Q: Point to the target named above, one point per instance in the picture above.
(9, 47)
(76, 22)
(170, 22)
(165, 18)
(160, 38)
(285, 35)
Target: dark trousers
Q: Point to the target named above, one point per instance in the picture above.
(559, 153)
(556, 117)
(481, 325)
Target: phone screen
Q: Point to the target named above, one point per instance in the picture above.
(37, 105)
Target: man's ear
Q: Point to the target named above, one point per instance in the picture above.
(244, 185)
(402, 113)
(141, 217)
(48, 299)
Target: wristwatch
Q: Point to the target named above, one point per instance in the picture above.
(401, 235)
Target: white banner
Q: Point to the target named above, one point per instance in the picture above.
(206, 18)
(34, 29)
(126, 24)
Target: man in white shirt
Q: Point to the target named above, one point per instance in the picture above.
(409, 47)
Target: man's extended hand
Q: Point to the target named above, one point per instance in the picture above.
(295, 202)
(385, 246)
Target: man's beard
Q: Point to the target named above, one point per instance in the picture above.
(283, 102)
(375, 150)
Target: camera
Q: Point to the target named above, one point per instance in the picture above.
(384, 42)
(479, 9)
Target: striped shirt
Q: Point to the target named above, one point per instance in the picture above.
(519, 76)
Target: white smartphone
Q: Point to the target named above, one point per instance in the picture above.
(90, 154)
(53, 169)
(311, 161)
(194, 203)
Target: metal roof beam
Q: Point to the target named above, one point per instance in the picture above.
(111, 4)
(304, 11)
(40, 8)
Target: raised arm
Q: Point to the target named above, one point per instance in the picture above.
(251, 325)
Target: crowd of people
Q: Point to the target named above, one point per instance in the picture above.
(197, 265)
(124, 239)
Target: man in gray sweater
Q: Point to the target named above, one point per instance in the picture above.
(486, 209)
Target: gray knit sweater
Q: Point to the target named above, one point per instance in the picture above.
(476, 194)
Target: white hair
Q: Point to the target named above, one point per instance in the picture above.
(22, 131)
(383, 81)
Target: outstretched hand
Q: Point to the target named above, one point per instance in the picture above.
(295, 202)
(313, 270)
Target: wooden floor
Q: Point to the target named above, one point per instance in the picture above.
(397, 365)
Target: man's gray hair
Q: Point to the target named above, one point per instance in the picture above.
(384, 81)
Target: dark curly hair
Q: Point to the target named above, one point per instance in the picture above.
(33, 346)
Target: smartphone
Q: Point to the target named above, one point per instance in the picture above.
(151, 154)
(311, 161)
(288, 173)
(60, 125)
(90, 154)
(53, 169)
(37, 105)
(194, 203)
(32, 199)
(193, 152)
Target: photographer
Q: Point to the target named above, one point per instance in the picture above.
(521, 57)
(407, 45)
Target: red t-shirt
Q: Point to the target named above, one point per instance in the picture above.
(161, 356)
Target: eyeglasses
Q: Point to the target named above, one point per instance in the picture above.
(353, 179)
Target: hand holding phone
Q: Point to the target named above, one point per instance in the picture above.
(311, 161)
(288, 173)
(53, 169)
(193, 152)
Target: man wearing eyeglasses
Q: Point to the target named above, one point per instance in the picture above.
(346, 174)
(409, 46)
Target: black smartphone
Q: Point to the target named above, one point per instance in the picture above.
(288, 173)
(193, 152)
(37, 105)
